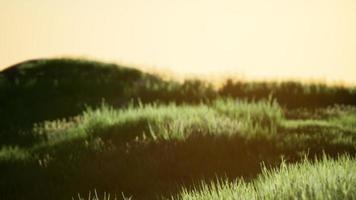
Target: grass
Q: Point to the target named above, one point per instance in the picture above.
(51, 89)
(13, 153)
(325, 179)
(224, 117)
(166, 147)
(292, 94)
(155, 139)
(105, 196)
(167, 122)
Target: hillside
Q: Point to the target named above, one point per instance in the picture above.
(49, 89)
(74, 126)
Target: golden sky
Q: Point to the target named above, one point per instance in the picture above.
(307, 39)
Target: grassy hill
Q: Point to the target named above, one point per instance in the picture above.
(41, 90)
(74, 126)
(48, 89)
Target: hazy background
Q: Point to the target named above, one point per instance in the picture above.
(307, 39)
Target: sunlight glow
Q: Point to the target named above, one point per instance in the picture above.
(305, 39)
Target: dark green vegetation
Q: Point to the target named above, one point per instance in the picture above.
(70, 126)
(41, 90)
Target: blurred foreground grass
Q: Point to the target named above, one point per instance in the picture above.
(325, 179)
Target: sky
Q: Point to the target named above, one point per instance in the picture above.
(258, 39)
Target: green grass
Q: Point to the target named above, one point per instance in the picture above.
(105, 196)
(224, 117)
(13, 154)
(167, 122)
(292, 94)
(152, 138)
(325, 179)
(167, 147)
(50, 89)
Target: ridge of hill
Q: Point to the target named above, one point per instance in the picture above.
(48, 89)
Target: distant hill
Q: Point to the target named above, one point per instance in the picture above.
(47, 89)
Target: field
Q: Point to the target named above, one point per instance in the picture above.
(77, 129)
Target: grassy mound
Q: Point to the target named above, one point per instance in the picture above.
(153, 150)
(325, 180)
(70, 126)
(41, 90)
(50, 89)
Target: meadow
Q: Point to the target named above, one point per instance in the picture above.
(78, 129)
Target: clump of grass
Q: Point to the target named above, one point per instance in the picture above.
(221, 117)
(262, 117)
(324, 179)
(333, 126)
(13, 153)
